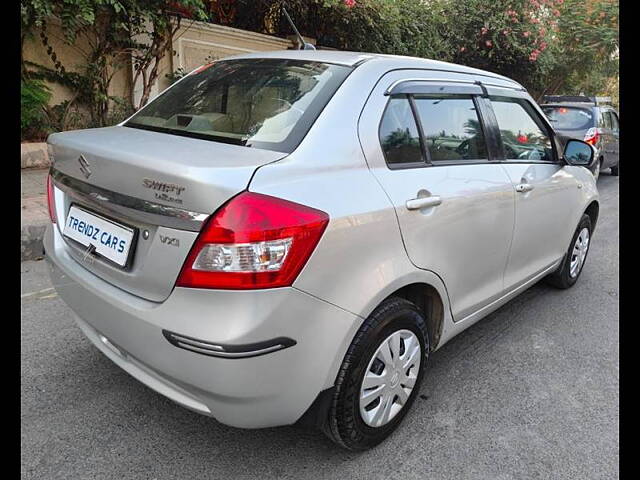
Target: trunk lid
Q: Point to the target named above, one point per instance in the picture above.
(160, 186)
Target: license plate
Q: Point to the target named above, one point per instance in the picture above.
(109, 239)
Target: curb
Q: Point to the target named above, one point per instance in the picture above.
(31, 247)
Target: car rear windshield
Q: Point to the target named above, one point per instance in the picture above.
(261, 103)
(569, 118)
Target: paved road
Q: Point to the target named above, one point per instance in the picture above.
(529, 392)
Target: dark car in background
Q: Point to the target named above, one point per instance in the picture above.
(590, 119)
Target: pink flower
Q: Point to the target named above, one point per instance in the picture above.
(556, 13)
(462, 49)
(534, 55)
(489, 43)
(526, 34)
(350, 3)
(484, 30)
(543, 31)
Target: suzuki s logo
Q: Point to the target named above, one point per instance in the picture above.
(84, 166)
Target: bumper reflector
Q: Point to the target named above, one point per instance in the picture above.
(228, 351)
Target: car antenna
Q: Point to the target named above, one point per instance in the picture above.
(303, 45)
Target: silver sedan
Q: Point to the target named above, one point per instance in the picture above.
(285, 237)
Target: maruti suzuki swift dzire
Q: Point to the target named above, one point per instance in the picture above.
(286, 237)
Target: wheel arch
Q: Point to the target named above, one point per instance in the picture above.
(593, 210)
(428, 300)
(423, 287)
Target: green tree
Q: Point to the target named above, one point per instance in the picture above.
(550, 46)
(157, 21)
(104, 24)
(509, 37)
(586, 49)
(402, 27)
(34, 95)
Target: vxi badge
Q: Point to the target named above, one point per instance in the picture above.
(169, 192)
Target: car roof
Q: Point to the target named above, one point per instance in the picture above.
(351, 59)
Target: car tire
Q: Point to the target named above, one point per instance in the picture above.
(614, 170)
(347, 425)
(569, 272)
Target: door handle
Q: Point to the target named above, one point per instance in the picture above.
(524, 187)
(423, 202)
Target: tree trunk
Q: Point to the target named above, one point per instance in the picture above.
(160, 45)
(151, 79)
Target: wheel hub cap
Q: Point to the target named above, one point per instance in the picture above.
(390, 377)
(579, 252)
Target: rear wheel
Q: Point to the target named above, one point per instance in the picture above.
(614, 170)
(575, 258)
(380, 376)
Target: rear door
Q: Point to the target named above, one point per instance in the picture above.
(615, 127)
(611, 136)
(606, 137)
(546, 189)
(425, 141)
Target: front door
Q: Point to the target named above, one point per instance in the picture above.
(546, 190)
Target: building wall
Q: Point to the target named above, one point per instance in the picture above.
(73, 57)
(194, 44)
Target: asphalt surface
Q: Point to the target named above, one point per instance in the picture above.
(529, 392)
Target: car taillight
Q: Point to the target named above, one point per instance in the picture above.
(253, 241)
(51, 199)
(592, 136)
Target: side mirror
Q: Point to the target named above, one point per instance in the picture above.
(579, 153)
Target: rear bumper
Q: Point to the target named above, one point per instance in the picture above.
(271, 389)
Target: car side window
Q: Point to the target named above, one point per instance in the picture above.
(523, 136)
(399, 136)
(451, 128)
